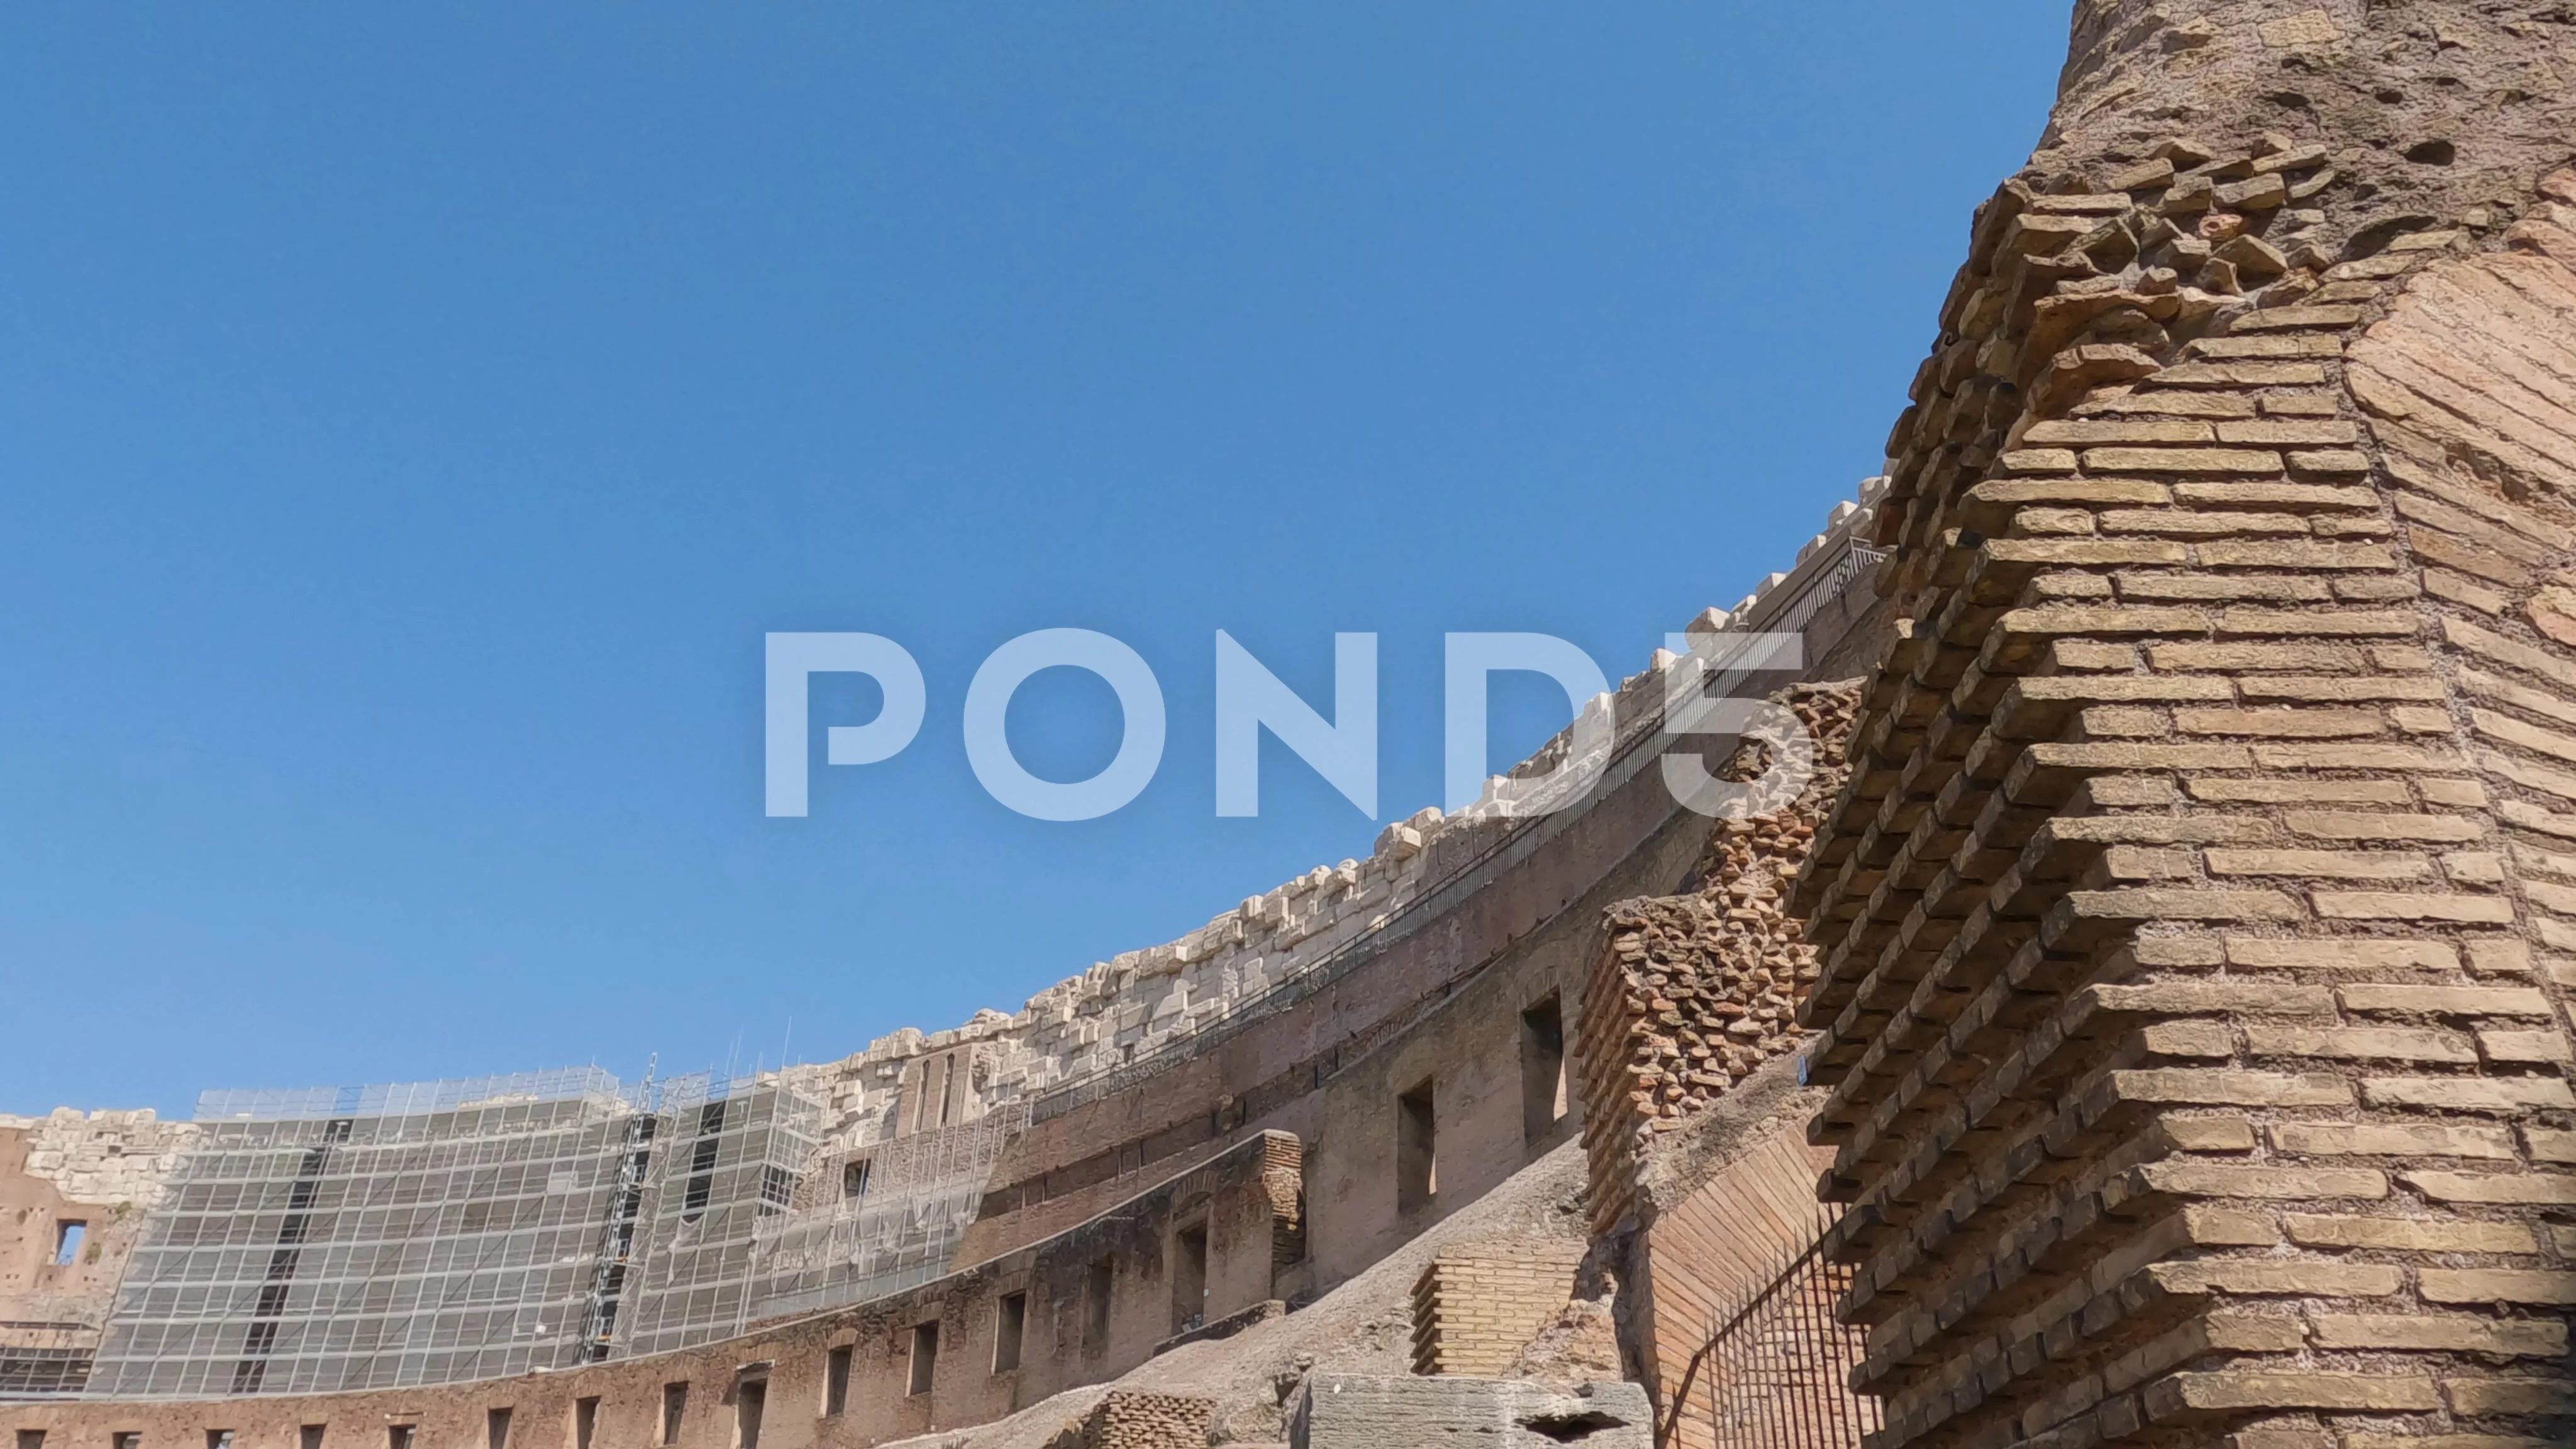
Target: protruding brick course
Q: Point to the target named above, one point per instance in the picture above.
(2195, 927)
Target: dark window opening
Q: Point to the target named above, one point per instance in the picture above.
(1417, 1162)
(925, 1357)
(1010, 1324)
(836, 1380)
(309, 1436)
(128, 1439)
(496, 1429)
(31, 1439)
(749, 1398)
(219, 1439)
(702, 1181)
(1189, 1278)
(854, 1178)
(1095, 1306)
(585, 1422)
(67, 1241)
(675, 1406)
(398, 1436)
(1542, 1070)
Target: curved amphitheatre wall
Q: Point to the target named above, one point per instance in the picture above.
(1143, 1062)
(1118, 1106)
(2196, 925)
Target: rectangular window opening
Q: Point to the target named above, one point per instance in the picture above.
(1010, 1324)
(126, 1439)
(31, 1439)
(1189, 1278)
(585, 1422)
(399, 1436)
(675, 1406)
(308, 1436)
(749, 1398)
(219, 1439)
(836, 1380)
(1542, 1070)
(67, 1241)
(702, 1181)
(925, 1357)
(496, 1429)
(854, 1178)
(1417, 1161)
(1095, 1305)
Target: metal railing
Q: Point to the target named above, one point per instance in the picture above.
(1775, 1372)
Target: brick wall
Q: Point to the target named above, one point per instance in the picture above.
(2191, 998)
(1705, 1254)
(1123, 1420)
(1476, 1307)
(1689, 994)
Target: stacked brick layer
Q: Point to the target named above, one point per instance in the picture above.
(1123, 1420)
(2191, 995)
(1691, 993)
(1476, 1308)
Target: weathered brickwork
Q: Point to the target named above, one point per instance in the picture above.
(1690, 994)
(1123, 1420)
(1476, 1308)
(2192, 1002)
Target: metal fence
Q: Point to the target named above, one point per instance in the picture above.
(1775, 1372)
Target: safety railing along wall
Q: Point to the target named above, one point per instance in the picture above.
(1775, 1370)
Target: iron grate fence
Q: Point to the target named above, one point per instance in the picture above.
(1775, 1372)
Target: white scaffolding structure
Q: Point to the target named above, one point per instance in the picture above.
(731, 1156)
(373, 1237)
(433, 1232)
(882, 1218)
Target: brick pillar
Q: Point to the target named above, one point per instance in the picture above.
(2192, 995)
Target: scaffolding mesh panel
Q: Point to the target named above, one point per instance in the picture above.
(731, 1156)
(880, 1219)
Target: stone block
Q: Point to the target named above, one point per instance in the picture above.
(1355, 1411)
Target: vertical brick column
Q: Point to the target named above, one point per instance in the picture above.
(2192, 997)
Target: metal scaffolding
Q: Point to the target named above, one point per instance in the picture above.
(372, 1238)
(881, 1219)
(398, 1236)
(731, 1158)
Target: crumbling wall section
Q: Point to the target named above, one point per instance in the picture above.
(1690, 994)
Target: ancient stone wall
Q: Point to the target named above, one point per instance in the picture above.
(2191, 1002)
(74, 1189)
(1140, 1004)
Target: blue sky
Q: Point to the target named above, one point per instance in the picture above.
(413, 417)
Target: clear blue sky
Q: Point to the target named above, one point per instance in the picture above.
(412, 417)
